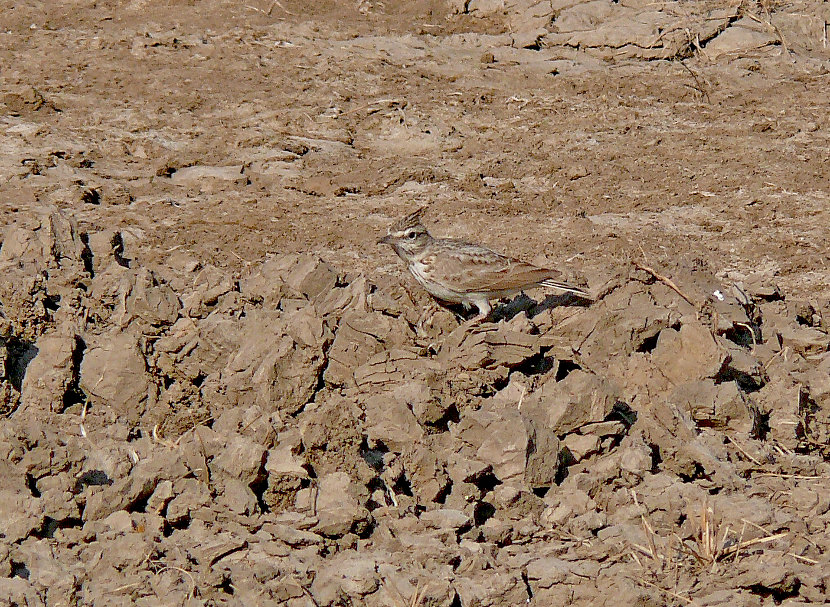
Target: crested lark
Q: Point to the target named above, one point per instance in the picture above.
(455, 271)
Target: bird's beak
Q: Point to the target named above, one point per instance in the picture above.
(386, 239)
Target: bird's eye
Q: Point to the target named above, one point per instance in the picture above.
(412, 235)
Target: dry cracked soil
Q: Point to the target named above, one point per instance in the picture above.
(216, 389)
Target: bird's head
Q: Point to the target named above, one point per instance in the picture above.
(408, 236)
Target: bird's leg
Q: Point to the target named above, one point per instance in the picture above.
(484, 310)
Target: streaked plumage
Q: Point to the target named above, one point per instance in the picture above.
(456, 271)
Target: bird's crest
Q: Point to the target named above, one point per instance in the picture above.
(410, 221)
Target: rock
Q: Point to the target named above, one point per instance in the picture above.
(209, 286)
(360, 336)
(543, 458)
(107, 248)
(488, 346)
(143, 297)
(743, 35)
(682, 450)
(491, 589)
(241, 458)
(446, 518)
(581, 398)
(612, 328)
(701, 357)
(196, 175)
(393, 366)
(425, 471)
(216, 546)
(278, 361)
(161, 496)
(499, 438)
(137, 486)
(580, 446)
(113, 373)
(391, 422)
(55, 244)
(352, 576)
(51, 373)
(429, 408)
(20, 514)
(804, 340)
(720, 405)
(24, 100)
(286, 472)
(291, 536)
(191, 495)
(337, 508)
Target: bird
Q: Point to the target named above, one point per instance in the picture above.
(460, 272)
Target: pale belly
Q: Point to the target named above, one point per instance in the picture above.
(435, 289)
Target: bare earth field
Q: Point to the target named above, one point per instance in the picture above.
(217, 389)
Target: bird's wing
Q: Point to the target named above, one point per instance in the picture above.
(469, 268)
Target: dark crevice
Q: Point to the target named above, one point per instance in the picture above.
(539, 364)
(482, 512)
(91, 478)
(760, 426)
(402, 486)
(778, 595)
(20, 354)
(117, 244)
(52, 302)
(19, 570)
(649, 343)
(140, 504)
(697, 474)
(565, 368)
(31, 484)
(743, 335)
(623, 413)
(441, 498)
(259, 487)
(50, 525)
(91, 196)
(656, 458)
(179, 525)
(373, 457)
(486, 482)
(746, 382)
(73, 394)
(86, 255)
(540, 491)
(226, 587)
(528, 589)
(442, 424)
(562, 469)
(364, 528)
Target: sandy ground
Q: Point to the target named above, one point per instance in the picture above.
(218, 389)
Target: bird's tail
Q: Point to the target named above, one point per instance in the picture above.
(563, 286)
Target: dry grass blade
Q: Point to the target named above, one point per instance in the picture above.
(666, 281)
(663, 590)
(743, 452)
(803, 558)
(755, 542)
(184, 572)
(650, 536)
(698, 86)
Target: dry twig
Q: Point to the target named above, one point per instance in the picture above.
(666, 281)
